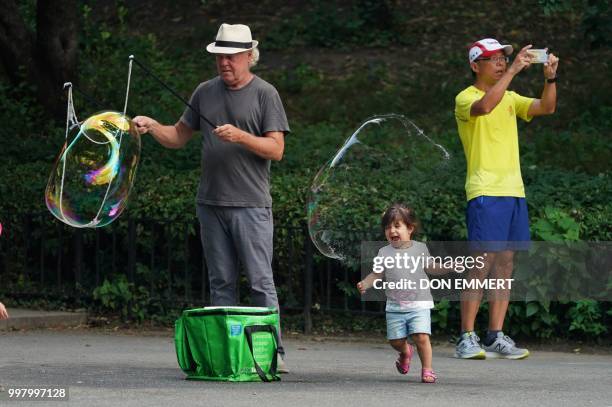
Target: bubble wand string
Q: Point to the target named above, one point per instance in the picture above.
(148, 72)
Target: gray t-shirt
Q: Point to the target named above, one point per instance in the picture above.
(231, 174)
(411, 268)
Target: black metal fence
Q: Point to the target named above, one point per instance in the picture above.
(165, 257)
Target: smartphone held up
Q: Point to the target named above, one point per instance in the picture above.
(538, 56)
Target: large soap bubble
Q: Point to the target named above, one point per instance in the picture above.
(387, 159)
(94, 173)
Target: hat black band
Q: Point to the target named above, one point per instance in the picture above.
(234, 44)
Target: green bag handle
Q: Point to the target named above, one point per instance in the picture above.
(248, 331)
(181, 344)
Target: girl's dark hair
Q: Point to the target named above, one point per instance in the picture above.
(401, 212)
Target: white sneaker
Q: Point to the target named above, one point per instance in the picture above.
(468, 347)
(504, 348)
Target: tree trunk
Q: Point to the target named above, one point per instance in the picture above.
(49, 56)
(55, 50)
(15, 42)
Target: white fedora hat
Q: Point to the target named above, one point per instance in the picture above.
(232, 39)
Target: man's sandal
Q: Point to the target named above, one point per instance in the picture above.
(402, 364)
(428, 376)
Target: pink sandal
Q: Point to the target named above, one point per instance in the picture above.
(428, 376)
(402, 364)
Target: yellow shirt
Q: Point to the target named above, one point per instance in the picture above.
(490, 143)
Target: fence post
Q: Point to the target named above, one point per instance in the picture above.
(187, 265)
(26, 235)
(42, 253)
(114, 252)
(60, 238)
(308, 265)
(152, 259)
(131, 249)
(97, 257)
(168, 240)
(78, 258)
(328, 267)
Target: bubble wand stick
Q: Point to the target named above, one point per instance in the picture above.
(148, 72)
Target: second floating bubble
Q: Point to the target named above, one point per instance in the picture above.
(387, 159)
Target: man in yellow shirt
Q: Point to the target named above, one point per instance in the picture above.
(486, 115)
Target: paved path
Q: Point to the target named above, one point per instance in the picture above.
(103, 369)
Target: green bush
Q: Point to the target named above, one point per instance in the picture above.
(586, 319)
(122, 297)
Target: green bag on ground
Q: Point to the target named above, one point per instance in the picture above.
(237, 344)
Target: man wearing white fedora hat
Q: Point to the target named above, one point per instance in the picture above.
(496, 215)
(233, 199)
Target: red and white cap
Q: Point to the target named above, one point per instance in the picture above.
(487, 47)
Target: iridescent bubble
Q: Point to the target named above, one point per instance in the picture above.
(94, 173)
(387, 159)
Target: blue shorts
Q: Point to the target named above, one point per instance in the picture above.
(500, 221)
(402, 324)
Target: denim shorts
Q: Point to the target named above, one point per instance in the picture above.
(403, 324)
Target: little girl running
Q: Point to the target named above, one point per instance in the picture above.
(407, 311)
